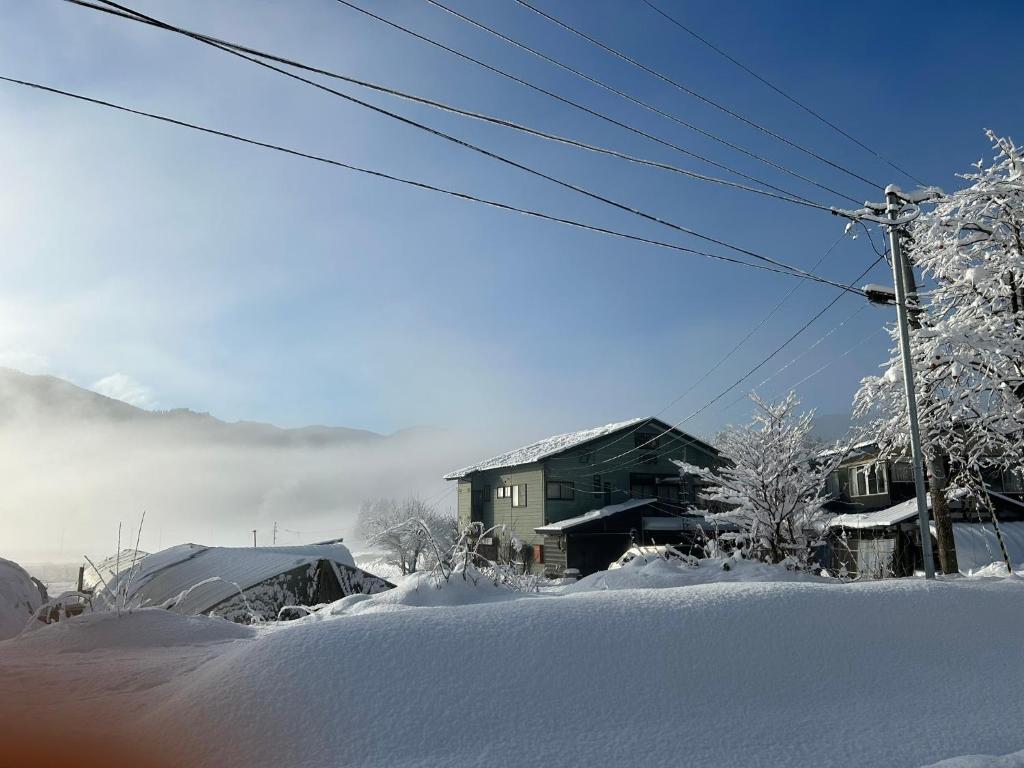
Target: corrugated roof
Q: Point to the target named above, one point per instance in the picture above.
(549, 446)
(107, 569)
(210, 575)
(594, 514)
(879, 518)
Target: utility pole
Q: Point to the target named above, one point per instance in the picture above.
(893, 204)
(275, 533)
(937, 480)
(254, 537)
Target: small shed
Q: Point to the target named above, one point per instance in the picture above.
(589, 542)
(239, 583)
(877, 544)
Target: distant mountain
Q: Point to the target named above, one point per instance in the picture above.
(48, 399)
(78, 465)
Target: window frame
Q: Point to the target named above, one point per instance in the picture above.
(864, 469)
(562, 485)
(519, 499)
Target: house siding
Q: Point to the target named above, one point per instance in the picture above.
(494, 511)
(603, 458)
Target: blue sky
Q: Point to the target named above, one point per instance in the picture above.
(188, 271)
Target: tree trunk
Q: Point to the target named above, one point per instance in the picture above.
(940, 512)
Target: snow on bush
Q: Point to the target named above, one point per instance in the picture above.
(659, 573)
(19, 598)
(409, 533)
(771, 484)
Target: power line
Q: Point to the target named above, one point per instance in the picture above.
(488, 153)
(639, 102)
(740, 380)
(419, 184)
(779, 91)
(788, 197)
(757, 326)
(569, 102)
(830, 363)
(679, 86)
(804, 353)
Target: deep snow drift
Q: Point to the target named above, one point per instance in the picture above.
(761, 670)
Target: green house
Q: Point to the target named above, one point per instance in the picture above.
(568, 476)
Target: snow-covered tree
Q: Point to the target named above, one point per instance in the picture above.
(771, 484)
(968, 338)
(411, 533)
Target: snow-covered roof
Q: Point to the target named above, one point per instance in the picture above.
(214, 574)
(594, 514)
(549, 446)
(107, 569)
(856, 450)
(879, 518)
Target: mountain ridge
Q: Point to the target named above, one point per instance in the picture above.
(46, 398)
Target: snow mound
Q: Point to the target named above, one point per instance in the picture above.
(139, 629)
(19, 598)
(1015, 760)
(424, 590)
(769, 669)
(619, 668)
(659, 573)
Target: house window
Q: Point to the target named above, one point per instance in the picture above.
(867, 479)
(644, 486)
(503, 492)
(669, 493)
(564, 490)
(902, 471)
(519, 495)
(647, 440)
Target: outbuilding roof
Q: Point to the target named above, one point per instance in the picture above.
(594, 514)
(879, 518)
(556, 444)
(201, 577)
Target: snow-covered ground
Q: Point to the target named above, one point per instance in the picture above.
(753, 667)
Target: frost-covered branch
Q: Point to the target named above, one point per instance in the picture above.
(771, 485)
